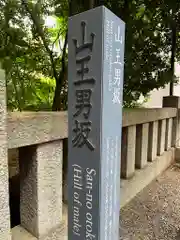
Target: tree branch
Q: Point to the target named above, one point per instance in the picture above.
(42, 36)
(63, 62)
(59, 84)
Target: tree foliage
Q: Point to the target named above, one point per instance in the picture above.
(34, 53)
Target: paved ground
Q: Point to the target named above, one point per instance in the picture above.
(154, 214)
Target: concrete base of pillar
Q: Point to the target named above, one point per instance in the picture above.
(19, 233)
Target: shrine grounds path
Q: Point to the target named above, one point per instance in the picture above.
(154, 214)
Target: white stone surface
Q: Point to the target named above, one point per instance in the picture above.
(153, 138)
(128, 151)
(41, 187)
(161, 137)
(142, 145)
(4, 192)
(168, 140)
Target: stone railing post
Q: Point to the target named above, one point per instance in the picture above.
(169, 127)
(161, 137)
(174, 102)
(142, 132)
(128, 151)
(5, 233)
(153, 140)
(41, 189)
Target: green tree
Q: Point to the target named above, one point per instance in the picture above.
(148, 45)
(34, 55)
(28, 56)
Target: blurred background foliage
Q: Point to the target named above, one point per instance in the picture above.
(33, 48)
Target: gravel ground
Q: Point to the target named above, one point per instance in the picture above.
(154, 214)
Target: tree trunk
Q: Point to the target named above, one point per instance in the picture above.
(62, 76)
(99, 3)
(173, 55)
(91, 4)
(57, 98)
(60, 83)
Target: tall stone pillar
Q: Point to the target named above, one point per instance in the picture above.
(174, 102)
(41, 189)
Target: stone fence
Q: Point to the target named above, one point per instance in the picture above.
(147, 134)
(149, 139)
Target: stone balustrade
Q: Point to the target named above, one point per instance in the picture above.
(147, 134)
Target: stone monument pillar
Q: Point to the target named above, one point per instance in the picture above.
(96, 68)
